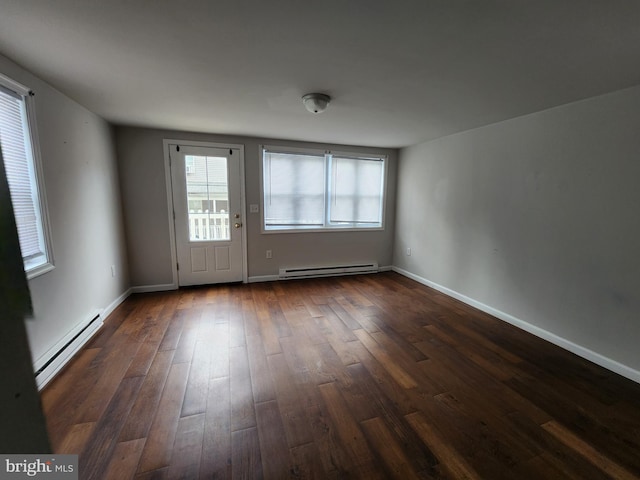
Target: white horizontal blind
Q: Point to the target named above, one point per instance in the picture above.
(321, 190)
(294, 189)
(16, 151)
(356, 190)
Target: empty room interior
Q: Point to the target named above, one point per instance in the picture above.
(360, 239)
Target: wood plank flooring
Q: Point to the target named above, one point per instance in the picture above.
(366, 377)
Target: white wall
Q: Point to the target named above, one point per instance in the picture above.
(538, 218)
(141, 167)
(83, 196)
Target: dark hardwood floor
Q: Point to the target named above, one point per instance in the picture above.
(353, 377)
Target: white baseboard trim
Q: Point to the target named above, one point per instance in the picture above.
(113, 305)
(579, 350)
(48, 365)
(386, 268)
(262, 278)
(154, 288)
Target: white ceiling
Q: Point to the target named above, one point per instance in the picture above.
(400, 72)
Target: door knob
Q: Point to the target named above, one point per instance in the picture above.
(237, 225)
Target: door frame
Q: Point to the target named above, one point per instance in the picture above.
(166, 143)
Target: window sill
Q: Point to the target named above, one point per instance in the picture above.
(319, 229)
(36, 271)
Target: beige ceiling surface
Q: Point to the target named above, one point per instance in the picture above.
(400, 72)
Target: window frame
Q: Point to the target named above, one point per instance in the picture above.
(328, 226)
(36, 175)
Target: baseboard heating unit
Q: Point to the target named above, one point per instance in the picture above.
(55, 359)
(327, 270)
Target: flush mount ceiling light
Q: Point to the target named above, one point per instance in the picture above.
(316, 102)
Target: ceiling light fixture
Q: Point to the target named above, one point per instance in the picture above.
(316, 102)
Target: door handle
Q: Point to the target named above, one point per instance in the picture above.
(237, 225)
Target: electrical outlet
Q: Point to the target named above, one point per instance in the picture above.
(408, 251)
(269, 254)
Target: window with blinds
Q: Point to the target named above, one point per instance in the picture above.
(20, 161)
(307, 190)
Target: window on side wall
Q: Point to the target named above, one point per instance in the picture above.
(311, 190)
(21, 155)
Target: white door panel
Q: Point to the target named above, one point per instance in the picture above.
(207, 201)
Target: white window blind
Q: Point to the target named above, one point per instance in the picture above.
(356, 190)
(294, 190)
(17, 153)
(321, 190)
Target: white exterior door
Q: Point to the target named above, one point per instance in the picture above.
(207, 201)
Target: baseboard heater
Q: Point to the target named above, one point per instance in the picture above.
(60, 354)
(327, 270)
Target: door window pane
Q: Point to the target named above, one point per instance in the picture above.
(207, 186)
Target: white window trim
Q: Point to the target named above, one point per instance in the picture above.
(317, 151)
(27, 95)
